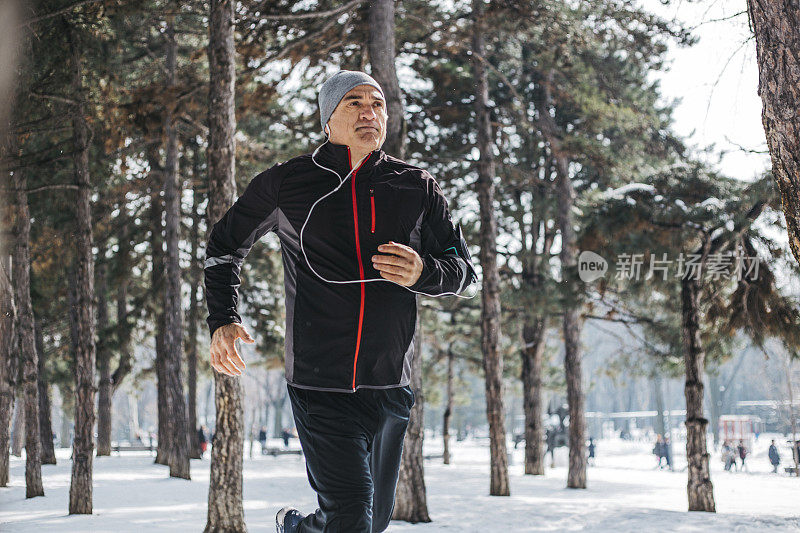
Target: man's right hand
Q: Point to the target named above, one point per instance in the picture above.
(224, 357)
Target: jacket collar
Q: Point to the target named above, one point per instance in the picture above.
(338, 157)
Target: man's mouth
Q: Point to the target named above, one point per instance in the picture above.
(366, 127)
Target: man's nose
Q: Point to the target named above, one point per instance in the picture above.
(370, 113)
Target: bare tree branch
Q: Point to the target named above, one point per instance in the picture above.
(313, 14)
(58, 12)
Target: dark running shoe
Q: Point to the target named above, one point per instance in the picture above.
(287, 519)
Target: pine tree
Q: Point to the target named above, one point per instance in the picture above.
(225, 510)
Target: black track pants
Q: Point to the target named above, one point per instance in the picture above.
(352, 443)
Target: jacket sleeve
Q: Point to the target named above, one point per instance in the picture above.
(446, 262)
(253, 214)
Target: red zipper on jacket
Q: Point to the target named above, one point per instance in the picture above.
(372, 204)
(360, 264)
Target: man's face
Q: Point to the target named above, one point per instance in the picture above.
(359, 120)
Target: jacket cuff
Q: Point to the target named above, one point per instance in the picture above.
(215, 324)
(430, 270)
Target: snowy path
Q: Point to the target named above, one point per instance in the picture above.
(625, 494)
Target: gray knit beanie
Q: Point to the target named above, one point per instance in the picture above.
(335, 87)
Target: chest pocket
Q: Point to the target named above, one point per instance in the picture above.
(394, 211)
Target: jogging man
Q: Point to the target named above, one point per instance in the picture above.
(361, 234)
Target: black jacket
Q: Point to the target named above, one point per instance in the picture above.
(341, 336)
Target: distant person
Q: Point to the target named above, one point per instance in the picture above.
(742, 450)
(201, 437)
(668, 452)
(728, 455)
(591, 451)
(262, 438)
(658, 449)
(774, 457)
(286, 434)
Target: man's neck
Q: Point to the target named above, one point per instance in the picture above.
(356, 155)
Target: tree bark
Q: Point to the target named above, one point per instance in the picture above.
(67, 392)
(448, 411)
(225, 509)
(699, 487)
(103, 364)
(124, 328)
(11, 34)
(776, 25)
(173, 312)
(576, 475)
(658, 393)
(18, 426)
(109, 381)
(381, 47)
(411, 497)
(45, 419)
(533, 335)
(490, 291)
(157, 287)
(8, 356)
(80, 490)
(25, 333)
(195, 277)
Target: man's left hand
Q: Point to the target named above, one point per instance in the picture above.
(403, 266)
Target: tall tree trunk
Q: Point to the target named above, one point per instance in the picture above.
(658, 393)
(173, 312)
(715, 405)
(411, 497)
(776, 25)
(8, 355)
(533, 335)
(195, 278)
(277, 422)
(27, 345)
(18, 426)
(490, 292)
(67, 415)
(225, 510)
(103, 363)
(45, 419)
(699, 487)
(80, 490)
(12, 33)
(123, 327)
(576, 476)
(381, 46)
(448, 410)
(157, 287)
(67, 392)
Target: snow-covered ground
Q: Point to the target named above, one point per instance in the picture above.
(625, 494)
